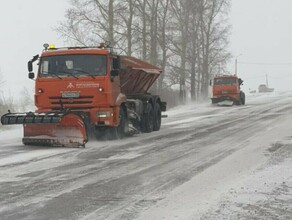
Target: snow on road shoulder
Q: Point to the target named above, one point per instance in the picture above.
(265, 195)
(262, 98)
(11, 133)
(239, 184)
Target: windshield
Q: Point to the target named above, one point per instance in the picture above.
(73, 65)
(225, 81)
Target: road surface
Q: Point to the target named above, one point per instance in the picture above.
(206, 162)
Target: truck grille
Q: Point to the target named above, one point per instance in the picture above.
(73, 103)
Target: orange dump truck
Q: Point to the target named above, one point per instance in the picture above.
(83, 92)
(227, 88)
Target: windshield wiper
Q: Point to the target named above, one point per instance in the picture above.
(82, 71)
(53, 73)
(70, 74)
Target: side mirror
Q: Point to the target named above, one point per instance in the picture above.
(29, 66)
(116, 63)
(210, 82)
(31, 75)
(115, 72)
(240, 81)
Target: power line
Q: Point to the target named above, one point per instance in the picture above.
(271, 77)
(271, 64)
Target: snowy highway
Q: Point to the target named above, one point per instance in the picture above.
(206, 162)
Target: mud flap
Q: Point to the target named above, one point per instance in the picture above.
(70, 131)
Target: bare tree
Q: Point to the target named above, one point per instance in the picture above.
(126, 14)
(89, 22)
(25, 102)
(211, 9)
(163, 18)
(3, 107)
(187, 38)
(7, 103)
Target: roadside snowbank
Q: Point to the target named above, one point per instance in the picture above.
(253, 183)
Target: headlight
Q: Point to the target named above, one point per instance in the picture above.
(105, 114)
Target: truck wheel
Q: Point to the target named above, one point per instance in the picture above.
(123, 123)
(157, 117)
(147, 119)
(242, 98)
(120, 131)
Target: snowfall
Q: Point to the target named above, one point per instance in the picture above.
(207, 162)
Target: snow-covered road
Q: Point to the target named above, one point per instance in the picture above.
(206, 162)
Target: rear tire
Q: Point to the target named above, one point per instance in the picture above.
(147, 119)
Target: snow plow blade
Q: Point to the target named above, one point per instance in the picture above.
(31, 118)
(225, 103)
(49, 129)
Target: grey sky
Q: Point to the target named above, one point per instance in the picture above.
(25, 27)
(262, 33)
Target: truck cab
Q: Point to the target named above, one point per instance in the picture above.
(227, 88)
(79, 79)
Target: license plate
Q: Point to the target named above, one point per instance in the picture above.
(224, 92)
(70, 95)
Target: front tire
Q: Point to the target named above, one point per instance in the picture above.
(242, 98)
(120, 131)
(157, 117)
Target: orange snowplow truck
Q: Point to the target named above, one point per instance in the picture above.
(84, 92)
(227, 87)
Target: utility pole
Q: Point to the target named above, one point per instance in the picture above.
(267, 80)
(236, 63)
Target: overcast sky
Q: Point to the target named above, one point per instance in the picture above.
(261, 32)
(25, 26)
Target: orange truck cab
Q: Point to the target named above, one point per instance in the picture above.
(227, 87)
(88, 91)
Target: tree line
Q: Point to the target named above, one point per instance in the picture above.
(188, 39)
(23, 103)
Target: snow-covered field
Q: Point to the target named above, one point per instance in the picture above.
(206, 162)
